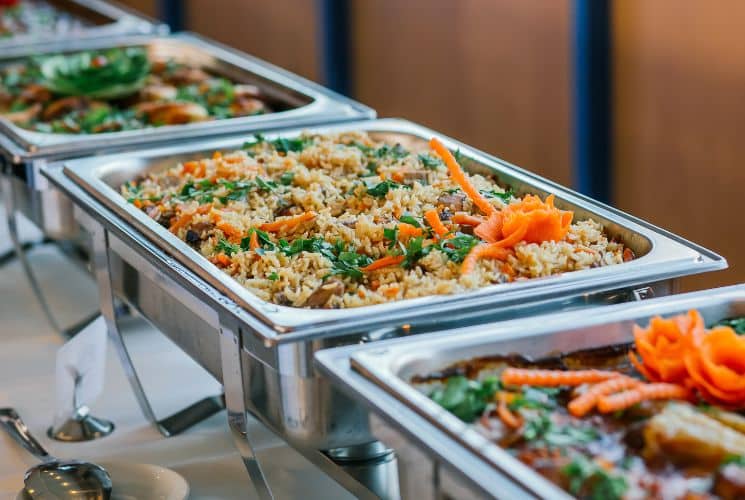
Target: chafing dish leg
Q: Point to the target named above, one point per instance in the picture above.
(231, 346)
(11, 217)
(372, 465)
(179, 421)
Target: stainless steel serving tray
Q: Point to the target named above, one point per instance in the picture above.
(379, 376)
(106, 19)
(662, 256)
(300, 101)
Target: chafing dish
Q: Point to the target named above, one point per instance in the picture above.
(379, 376)
(299, 101)
(98, 18)
(170, 284)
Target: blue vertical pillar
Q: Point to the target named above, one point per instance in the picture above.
(171, 12)
(334, 46)
(592, 98)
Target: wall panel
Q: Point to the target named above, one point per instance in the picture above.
(680, 113)
(493, 73)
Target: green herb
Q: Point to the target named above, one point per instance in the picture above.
(287, 178)
(365, 149)
(429, 161)
(265, 241)
(391, 234)
(226, 247)
(408, 219)
(457, 247)
(273, 276)
(202, 191)
(349, 264)
(505, 197)
(396, 152)
(734, 459)
(588, 479)
(102, 74)
(464, 398)
(265, 185)
(414, 251)
(257, 139)
(459, 157)
(541, 428)
(736, 323)
(380, 190)
(237, 190)
(535, 397)
(295, 145)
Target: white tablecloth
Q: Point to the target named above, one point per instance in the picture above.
(204, 455)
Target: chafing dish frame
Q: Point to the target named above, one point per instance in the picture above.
(661, 255)
(121, 21)
(377, 375)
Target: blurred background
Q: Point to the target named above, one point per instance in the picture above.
(638, 102)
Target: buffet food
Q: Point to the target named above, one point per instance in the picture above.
(35, 17)
(660, 418)
(118, 89)
(342, 220)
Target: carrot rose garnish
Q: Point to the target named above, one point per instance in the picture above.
(716, 365)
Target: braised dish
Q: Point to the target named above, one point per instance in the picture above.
(118, 89)
(660, 418)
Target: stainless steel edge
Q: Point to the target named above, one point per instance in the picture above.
(124, 21)
(668, 257)
(377, 374)
(315, 105)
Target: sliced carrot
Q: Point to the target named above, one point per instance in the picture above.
(230, 230)
(216, 155)
(137, 203)
(388, 260)
(716, 368)
(508, 418)
(288, 223)
(465, 219)
(582, 405)
(553, 378)
(391, 291)
(643, 392)
(184, 219)
(491, 229)
(482, 251)
(433, 219)
(628, 254)
(459, 176)
(253, 241)
(221, 259)
(397, 176)
(189, 167)
(407, 230)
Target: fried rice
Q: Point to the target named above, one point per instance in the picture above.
(330, 206)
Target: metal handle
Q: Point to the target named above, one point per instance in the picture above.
(14, 426)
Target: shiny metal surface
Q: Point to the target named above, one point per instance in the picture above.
(378, 376)
(55, 478)
(106, 19)
(662, 256)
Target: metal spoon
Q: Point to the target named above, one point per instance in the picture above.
(55, 479)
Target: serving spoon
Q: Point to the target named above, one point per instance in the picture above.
(55, 478)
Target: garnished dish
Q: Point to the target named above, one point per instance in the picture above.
(35, 17)
(335, 221)
(118, 89)
(660, 418)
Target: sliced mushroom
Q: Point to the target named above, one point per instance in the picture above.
(455, 201)
(412, 176)
(323, 293)
(172, 113)
(23, 116)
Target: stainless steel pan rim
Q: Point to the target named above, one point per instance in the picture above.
(669, 256)
(378, 374)
(123, 21)
(312, 104)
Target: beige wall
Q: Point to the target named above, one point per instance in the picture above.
(680, 115)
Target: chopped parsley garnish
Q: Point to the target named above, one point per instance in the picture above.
(737, 324)
(396, 152)
(226, 247)
(734, 459)
(273, 276)
(391, 234)
(541, 428)
(238, 190)
(464, 398)
(457, 247)
(202, 191)
(536, 398)
(265, 185)
(265, 241)
(295, 145)
(588, 479)
(258, 139)
(414, 251)
(505, 197)
(349, 264)
(408, 219)
(380, 190)
(429, 161)
(287, 178)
